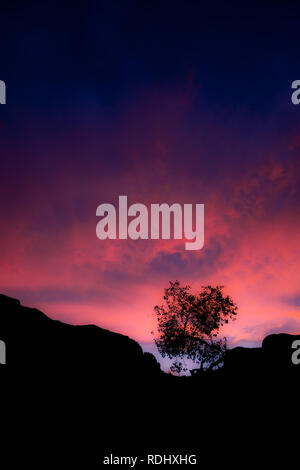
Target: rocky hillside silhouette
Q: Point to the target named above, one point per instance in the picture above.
(34, 341)
(81, 392)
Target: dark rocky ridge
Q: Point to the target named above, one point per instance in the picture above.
(33, 340)
(78, 393)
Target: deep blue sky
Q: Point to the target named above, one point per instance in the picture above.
(104, 51)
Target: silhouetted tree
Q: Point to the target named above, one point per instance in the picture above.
(188, 325)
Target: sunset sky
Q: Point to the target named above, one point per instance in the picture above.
(170, 102)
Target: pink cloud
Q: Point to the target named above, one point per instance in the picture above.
(50, 252)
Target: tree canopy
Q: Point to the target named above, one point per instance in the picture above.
(189, 325)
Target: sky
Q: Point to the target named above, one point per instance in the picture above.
(163, 102)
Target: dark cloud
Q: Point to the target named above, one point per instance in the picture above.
(168, 263)
(291, 326)
(294, 300)
(48, 295)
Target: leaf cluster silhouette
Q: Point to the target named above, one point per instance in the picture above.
(188, 325)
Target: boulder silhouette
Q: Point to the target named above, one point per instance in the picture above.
(278, 350)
